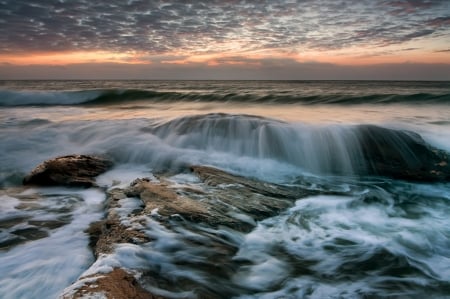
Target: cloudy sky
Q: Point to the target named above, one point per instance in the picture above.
(227, 39)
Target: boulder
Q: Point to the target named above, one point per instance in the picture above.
(401, 155)
(72, 170)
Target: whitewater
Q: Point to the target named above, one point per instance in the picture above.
(359, 235)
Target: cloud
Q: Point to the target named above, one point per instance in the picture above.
(401, 7)
(196, 27)
(439, 22)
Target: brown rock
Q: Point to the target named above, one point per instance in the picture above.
(164, 199)
(212, 204)
(103, 235)
(215, 177)
(238, 206)
(117, 284)
(72, 170)
(160, 196)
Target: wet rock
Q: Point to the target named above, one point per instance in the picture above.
(117, 284)
(210, 208)
(12, 221)
(50, 224)
(216, 177)
(104, 234)
(72, 170)
(11, 242)
(237, 206)
(256, 199)
(31, 233)
(163, 200)
(401, 155)
(29, 206)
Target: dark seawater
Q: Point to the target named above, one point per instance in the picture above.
(18, 93)
(380, 238)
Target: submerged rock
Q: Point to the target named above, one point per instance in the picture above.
(30, 216)
(72, 170)
(401, 155)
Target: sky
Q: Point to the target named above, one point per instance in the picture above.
(303, 39)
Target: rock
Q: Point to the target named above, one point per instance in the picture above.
(50, 224)
(117, 284)
(104, 234)
(12, 221)
(31, 233)
(11, 242)
(401, 155)
(237, 206)
(219, 205)
(215, 177)
(163, 199)
(72, 170)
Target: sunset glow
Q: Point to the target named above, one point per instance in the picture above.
(144, 36)
(67, 58)
(356, 57)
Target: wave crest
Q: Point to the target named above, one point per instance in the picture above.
(361, 149)
(117, 96)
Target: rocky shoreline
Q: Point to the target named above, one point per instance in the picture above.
(211, 206)
(213, 202)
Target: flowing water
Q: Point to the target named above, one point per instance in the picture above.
(380, 238)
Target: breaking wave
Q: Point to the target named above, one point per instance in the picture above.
(251, 145)
(117, 96)
(333, 149)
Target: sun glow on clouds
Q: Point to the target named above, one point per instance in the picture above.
(66, 58)
(241, 35)
(251, 59)
(351, 56)
(217, 26)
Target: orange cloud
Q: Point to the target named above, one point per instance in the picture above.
(358, 56)
(352, 57)
(66, 58)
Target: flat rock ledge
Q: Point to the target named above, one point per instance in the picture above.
(219, 199)
(71, 170)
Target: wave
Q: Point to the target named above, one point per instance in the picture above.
(249, 145)
(359, 149)
(117, 96)
(246, 144)
(46, 98)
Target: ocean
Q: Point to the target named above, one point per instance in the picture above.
(360, 234)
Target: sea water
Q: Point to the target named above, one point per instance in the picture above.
(382, 238)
